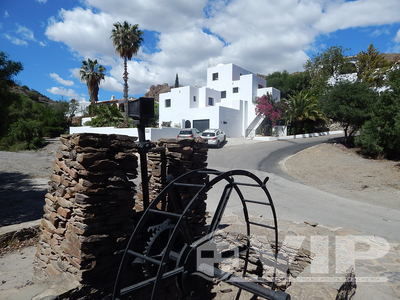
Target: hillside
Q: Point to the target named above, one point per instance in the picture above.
(31, 94)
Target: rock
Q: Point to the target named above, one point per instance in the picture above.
(313, 224)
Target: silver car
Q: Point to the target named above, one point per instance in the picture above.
(215, 137)
(188, 133)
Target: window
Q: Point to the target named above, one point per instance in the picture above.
(194, 98)
(167, 102)
(260, 86)
(223, 94)
(210, 101)
(235, 90)
(215, 76)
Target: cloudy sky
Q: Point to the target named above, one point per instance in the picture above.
(51, 37)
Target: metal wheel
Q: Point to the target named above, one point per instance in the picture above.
(174, 259)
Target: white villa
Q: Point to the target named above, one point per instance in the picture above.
(226, 102)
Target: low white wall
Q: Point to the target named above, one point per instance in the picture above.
(297, 136)
(165, 133)
(152, 134)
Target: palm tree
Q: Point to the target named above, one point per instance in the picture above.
(92, 73)
(302, 107)
(127, 39)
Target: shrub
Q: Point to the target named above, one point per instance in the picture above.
(350, 104)
(380, 136)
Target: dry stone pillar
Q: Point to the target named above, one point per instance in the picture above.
(88, 208)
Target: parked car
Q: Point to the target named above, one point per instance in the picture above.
(215, 137)
(188, 133)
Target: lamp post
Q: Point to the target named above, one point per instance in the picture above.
(142, 110)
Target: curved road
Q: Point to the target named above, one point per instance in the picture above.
(295, 201)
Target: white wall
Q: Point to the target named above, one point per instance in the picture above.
(230, 121)
(152, 134)
(275, 93)
(229, 76)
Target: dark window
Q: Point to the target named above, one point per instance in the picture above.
(210, 101)
(215, 76)
(208, 134)
(194, 98)
(185, 132)
(235, 90)
(223, 94)
(260, 86)
(167, 102)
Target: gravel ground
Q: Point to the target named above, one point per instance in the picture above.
(341, 171)
(23, 183)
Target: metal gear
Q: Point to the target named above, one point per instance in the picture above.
(155, 245)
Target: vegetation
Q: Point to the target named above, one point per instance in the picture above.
(380, 134)
(25, 120)
(127, 39)
(311, 98)
(302, 111)
(349, 104)
(289, 84)
(269, 108)
(92, 73)
(371, 67)
(106, 116)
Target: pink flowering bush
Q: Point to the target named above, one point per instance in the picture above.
(267, 107)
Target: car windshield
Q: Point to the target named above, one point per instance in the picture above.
(208, 134)
(185, 132)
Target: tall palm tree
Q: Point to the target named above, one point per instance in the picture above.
(127, 39)
(92, 73)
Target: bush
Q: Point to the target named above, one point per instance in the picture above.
(380, 136)
(350, 104)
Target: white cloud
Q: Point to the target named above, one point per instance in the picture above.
(41, 1)
(260, 35)
(60, 80)
(397, 37)
(84, 31)
(15, 40)
(25, 33)
(69, 93)
(6, 14)
(342, 15)
(111, 84)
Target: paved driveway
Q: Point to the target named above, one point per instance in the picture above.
(295, 201)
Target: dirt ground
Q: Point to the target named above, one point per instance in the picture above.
(341, 171)
(23, 183)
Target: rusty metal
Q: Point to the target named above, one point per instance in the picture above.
(174, 257)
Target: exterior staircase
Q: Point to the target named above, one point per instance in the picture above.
(250, 132)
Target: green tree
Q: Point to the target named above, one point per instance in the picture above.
(127, 39)
(176, 81)
(289, 84)
(371, 67)
(300, 109)
(8, 69)
(330, 63)
(105, 115)
(349, 104)
(380, 136)
(92, 73)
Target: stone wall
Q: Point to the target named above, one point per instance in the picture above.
(90, 208)
(181, 157)
(88, 211)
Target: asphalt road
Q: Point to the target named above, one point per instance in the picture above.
(295, 201)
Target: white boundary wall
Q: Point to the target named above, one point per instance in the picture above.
(297, 136)
(152, 134)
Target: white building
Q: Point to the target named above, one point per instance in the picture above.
(226, 102)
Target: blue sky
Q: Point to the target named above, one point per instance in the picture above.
(52, 37)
